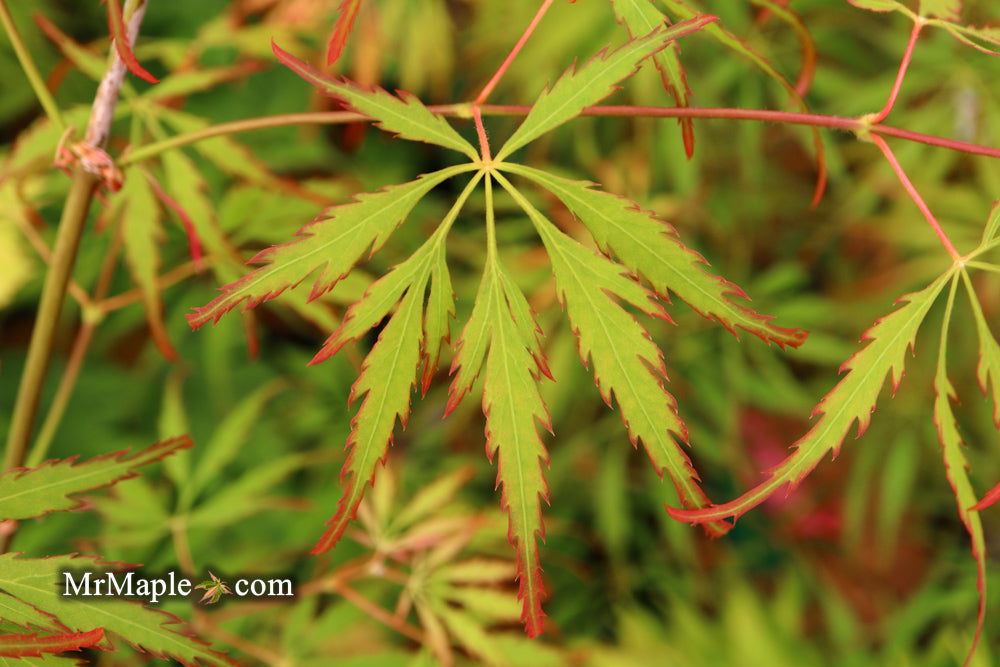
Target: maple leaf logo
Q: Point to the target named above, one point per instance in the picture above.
(215, 588)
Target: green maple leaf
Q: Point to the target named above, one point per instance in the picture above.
(643, 262)
(27, 493)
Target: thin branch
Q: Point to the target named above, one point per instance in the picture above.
(30, 70)
(250, 124)
(915, 196)
(903, 65)
(67, 382)
(495, 79)
(46, 322)
(174, 275)
(378, 613)
(77, 355)
(465, 111)
(57, 278)
(204, 624)
(182, 546)
(102, 112)
(941, 142)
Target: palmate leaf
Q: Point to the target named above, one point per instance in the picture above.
(852, 400)
(592, 82)
(26, 493)
(501, 338)
(639, 17)
(628, 367)
(34, 581)
(650, 248)
(331, 246)
(34, 645)
(405, 115)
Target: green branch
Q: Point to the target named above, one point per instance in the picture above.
(30, 71)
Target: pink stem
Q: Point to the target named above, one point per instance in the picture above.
(915, 196)
(765, 115)
(484, 142)
(889, 103)
(513, 52)
(931, 140)
(792, 117)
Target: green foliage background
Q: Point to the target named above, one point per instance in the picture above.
(865, 564)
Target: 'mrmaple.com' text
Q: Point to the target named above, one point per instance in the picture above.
(151, 589)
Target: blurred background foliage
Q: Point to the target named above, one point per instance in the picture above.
(865, 564)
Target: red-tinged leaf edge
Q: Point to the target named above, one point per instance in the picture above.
(991, 497)
(307, 73)
(336, 341)
(795, 337)
(973, 525)
(432, 359)
(96, 563)
(690, 26)
(194, 242)
(161, 450)
(532, 614)
(761, 492)
(686, 124)
(202, 315)
(34, 645)
(730, 290)
(119, 34)
(818, 145)
(342, 30)
(347, 509)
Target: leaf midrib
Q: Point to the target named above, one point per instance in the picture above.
(527, 537)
